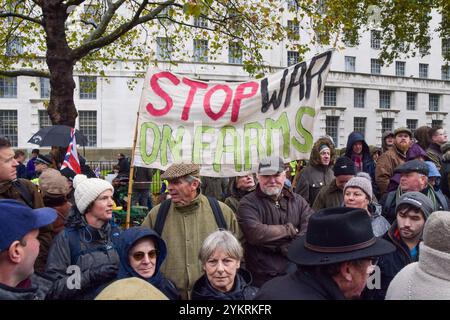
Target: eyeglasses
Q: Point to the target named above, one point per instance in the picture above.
(139, 255)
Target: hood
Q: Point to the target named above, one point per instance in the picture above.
(314, 158)
(240, 193)
(383, 137)
(127, 239)
(415, 151)
(204, 291)
(352, 139)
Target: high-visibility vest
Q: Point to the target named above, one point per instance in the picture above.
(156, 184)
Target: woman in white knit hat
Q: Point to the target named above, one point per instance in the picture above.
(83, 258)
(358, 194)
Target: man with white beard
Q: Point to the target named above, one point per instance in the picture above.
(270, 218)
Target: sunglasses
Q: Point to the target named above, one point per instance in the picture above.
(139, 255)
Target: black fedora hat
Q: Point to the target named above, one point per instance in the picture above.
(336, 235)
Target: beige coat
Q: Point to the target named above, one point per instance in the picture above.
(184, 230)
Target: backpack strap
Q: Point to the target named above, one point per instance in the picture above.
(218, 214)
(161, 216)
(24, 193)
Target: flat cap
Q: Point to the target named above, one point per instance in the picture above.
(270, 165)
(413, 166)
(53, 183)
(403, 130)
(179, 170)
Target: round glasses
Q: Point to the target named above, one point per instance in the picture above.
(139, 255)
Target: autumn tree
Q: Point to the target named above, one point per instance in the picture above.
(59, 37)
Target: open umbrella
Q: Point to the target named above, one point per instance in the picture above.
(56, 135)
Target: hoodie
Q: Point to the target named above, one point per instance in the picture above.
(127, 239)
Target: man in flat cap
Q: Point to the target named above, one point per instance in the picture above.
(392, 158)
(334, 258)
(184, 221)
(270, 218)
(413, 177)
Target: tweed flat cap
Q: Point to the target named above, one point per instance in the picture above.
(403, 130)
(52, 183)
(179, 170)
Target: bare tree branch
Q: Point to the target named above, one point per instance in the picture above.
(109, 14)
(25, 72)
(21, 16)
(85, 48)
(74, 3)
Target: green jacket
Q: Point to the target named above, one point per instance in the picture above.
(185, 229)
(329, 196)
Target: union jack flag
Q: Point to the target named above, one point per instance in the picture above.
(71, 159)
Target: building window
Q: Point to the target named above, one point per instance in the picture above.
(436, 123)
(292, 57)
(8, 125)
(234, 53)
(411, 124)
(375, 66)
(423, 50)
(200, 22)
(385, 99)
(387, 124)
(400, 68)
(350, 64)
(359, 125)
(445, 47)
(44, 119)
(423, 70)
(200, 50)
(359, 98)
(163, 48)
(375, 39)
(411, 98)
(445, 72)
(88, 126)
(44, 88)
(434, 102)
(293, 30)
(329, 96)
(332, 128)
(8, 87)
(88, 87)
(14, 47)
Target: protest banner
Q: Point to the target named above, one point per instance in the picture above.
(227, 127)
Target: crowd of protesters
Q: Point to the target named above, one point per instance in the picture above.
(321, 229)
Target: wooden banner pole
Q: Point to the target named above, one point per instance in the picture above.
(130, 183)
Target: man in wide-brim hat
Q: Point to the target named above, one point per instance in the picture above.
(334, 258)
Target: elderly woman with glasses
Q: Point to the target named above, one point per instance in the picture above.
(141, 252)
(220, 257)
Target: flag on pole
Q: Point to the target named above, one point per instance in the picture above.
(71, 159)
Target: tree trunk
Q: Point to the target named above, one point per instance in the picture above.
(60, 62)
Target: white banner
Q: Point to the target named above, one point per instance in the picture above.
(227, 127)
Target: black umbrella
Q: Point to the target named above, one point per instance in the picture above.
(56, 135)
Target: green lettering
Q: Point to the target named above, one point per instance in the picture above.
(249, 142)
(175, 145)
(281, 124)
(307, 136)
(234, 148)
(199, 145)
(149, 158)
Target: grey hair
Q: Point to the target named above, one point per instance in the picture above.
(189, 179)
(222, 240)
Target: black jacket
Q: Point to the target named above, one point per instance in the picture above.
(390, 264)
(300, 285)
(242, 289)
(39, 287)
(98, 260)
